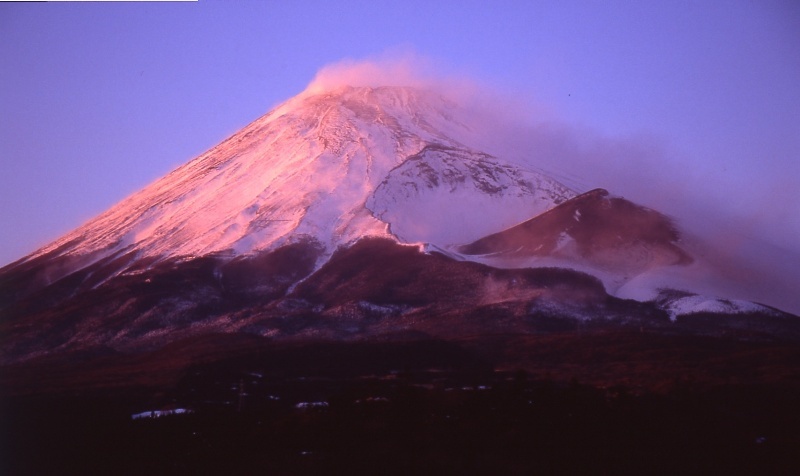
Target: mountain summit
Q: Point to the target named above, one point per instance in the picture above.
(298, 226)
(336, 167)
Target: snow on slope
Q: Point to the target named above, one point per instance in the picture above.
(322, 165)
(448, 195)
(688, 304)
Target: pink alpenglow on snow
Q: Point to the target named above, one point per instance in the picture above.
(338, 163)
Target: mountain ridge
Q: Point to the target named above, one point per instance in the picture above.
(237, 239)
(312, 166)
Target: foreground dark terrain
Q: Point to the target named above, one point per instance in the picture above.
(591, 403)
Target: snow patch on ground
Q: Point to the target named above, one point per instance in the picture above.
(694, 303)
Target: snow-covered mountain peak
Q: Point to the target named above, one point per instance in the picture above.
(334, 166)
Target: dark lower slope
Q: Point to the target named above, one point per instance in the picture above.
(373, 289)
(377, 287)
(383, 273)
(145, 329)
(149, 304)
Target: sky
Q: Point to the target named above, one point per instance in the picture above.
(689, 106)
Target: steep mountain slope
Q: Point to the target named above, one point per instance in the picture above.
(335, 166)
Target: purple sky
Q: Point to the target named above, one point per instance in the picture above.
(99, 99)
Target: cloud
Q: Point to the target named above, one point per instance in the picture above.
(746, 225)
(747, 213)
(401, 67)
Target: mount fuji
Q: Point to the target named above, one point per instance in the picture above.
(362, 213)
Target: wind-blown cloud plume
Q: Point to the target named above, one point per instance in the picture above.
(739, 218)
(404, 68)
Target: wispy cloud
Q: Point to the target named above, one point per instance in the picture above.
(401, 67)
(747, 213)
